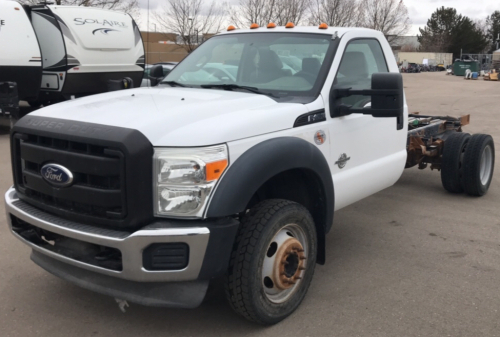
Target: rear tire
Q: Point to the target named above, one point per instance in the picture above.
(273, 260)
(452, 162)
(479, 163)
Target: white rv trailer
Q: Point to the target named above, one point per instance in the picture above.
(20, 57)
(81, 48)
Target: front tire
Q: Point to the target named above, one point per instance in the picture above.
(273, 260)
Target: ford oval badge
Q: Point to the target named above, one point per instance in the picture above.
(57, 175)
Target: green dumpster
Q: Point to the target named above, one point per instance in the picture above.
(459, 67)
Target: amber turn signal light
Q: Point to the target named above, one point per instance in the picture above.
(230, 28)
(289, 25)
(271, 25)
(214, 170)
(254, 26)
(323, 26)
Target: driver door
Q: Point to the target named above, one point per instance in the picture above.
(365, 151)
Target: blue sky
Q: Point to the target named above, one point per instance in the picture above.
(419, 10)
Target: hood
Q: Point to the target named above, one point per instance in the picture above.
(182, 116)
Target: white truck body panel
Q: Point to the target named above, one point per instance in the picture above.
(373, 144)
(182, 116)
(201, 117)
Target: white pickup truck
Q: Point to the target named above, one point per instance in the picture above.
(232, 167)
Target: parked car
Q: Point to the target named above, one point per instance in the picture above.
(149, 195)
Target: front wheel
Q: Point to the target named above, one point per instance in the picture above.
(273, 260)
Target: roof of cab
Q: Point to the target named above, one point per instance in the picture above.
(298, 29)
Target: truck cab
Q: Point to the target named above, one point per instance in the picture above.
(231, 167)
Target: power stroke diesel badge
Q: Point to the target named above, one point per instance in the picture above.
(342, 160)
(56, 175)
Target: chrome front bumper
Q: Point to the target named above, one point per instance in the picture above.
(131, 245)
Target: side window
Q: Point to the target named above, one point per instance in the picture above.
(361, 59)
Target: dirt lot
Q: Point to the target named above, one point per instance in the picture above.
(412, 260)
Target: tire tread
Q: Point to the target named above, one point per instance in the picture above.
(237, 286)
(450, 170)
(472, 162)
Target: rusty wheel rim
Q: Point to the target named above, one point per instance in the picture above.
(284, 263)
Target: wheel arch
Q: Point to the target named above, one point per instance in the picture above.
(280, 168)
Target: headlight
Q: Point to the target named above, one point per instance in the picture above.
(184, 178)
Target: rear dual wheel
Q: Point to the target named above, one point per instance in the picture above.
(452, 161)
(479, 163)
(273, 260)
(468, 163)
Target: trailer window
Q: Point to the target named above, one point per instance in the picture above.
(362, 58)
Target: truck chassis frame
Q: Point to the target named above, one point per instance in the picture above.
(426, 138)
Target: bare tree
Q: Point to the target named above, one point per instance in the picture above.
(263, 12)
(128, 6)
(247, 12)
(388, 16)
(337, 13)
(291, 11)
(188, 19)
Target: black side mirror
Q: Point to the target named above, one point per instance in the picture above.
(9, 99)
(156, 74)
(387, 98)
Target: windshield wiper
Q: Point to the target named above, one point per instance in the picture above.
(173, 84)
(236, 86)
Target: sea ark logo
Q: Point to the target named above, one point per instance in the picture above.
(2, 23)
(104, 23)
(56, 175)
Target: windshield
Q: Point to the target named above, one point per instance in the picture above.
(282, 63)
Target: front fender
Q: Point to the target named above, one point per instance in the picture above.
(264, 161)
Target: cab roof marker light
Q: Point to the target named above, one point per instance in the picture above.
(254, 26)
(230, 28)
(271, 25)
(290, 25)
(323, 26)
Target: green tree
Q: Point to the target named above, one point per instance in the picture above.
(449, 32)
(493, 24)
